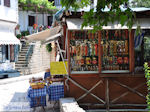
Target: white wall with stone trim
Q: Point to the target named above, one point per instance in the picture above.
(9, 13)
(23, 19)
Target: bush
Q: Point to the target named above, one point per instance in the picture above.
(147, 76)
(19, 36)
(49, 47)
(25, 33)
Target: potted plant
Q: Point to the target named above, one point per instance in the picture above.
(19, 36)
(49, 47)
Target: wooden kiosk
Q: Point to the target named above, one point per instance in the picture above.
(101, 67)
(101, 71)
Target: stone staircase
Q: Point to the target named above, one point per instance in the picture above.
(21, 65)
(38, 61)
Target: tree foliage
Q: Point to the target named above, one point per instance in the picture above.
(98, 17)
(141, 3)
(37, 5)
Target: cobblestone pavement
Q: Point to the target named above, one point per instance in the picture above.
(13, 95)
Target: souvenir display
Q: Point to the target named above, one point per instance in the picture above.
(84, 51)
(115, 50)
(37, 83)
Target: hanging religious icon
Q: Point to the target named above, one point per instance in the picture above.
(82, 61)
(126, 47)
(96, 49)
(82, 49)
(116, 34)
(126, 60)
(115, 47)
(88, 60)
(94, 61)
(73, 34)
(119, 33)
(107, 34)
(127, 34)
(85, 48)
(124, 34)
(93, 50)
(78, 48)
(119, 60)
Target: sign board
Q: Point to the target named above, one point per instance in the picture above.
(58, 68)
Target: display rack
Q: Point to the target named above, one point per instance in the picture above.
(83, 52)
(115, 51)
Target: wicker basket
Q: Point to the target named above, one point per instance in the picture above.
(37, 86)
(41, 86)
(34, 85)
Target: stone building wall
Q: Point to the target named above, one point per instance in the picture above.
(41, 58)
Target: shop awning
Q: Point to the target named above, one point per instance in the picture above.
(75, 24)
(45, 35)
(52, 38)
(8, 38)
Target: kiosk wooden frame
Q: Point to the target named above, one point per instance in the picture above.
(118, 91)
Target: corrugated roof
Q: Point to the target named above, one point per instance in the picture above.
(136, 9)
(75, 24)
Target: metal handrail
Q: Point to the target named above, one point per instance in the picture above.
(29, 53)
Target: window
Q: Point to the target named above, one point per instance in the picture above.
(83, 52)
(12, 58)
(50, 19)
(142, 50)
(0, 2)
(7, 52)
(31, 20)
(7, 3)
(1, 58)
(115, 51)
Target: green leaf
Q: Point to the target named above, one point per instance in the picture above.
(123, 19)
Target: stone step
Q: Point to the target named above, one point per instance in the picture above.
(21, 62)
(17, 64)
(23, 54)
(21, 59)
(20, 66)
(23, 51)
(24, 48)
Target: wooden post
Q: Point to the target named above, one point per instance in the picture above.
(131, 51)
(68, 51)
(64, 32)
(107, 94)
(36, 15)
(99, 52)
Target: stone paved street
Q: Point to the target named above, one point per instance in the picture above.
(13, 95)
